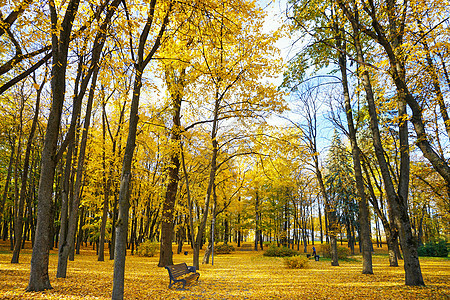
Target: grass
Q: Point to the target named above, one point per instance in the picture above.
(240, 275)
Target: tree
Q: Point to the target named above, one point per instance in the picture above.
(18, 229)
(175, 80)
(39, 279)
(68, 244)
(142, 60)
(363, 215)
(398, 200)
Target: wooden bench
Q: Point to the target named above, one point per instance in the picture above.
(181, 273)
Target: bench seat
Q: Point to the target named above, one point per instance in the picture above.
(181, 273)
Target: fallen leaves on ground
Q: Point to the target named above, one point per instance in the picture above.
(240, 275)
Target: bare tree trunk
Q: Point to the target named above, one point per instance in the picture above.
(413, 274)
(8, 176)
(312, 227)
(39, 279)
(391, 233)
(320, 220)
(331, 217)
(19, 198)
(364, 221)
(256, 220)
(80, 231)
(210, 249)
(212, 175)
(124, 205)
(68, 244)
(94, 67)
(175, 84)
(107, 187)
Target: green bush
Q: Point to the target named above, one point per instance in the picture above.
(343, 252)
(296, 262)
(223, 249)
(147, 248)
(435, 249)
(275, 251)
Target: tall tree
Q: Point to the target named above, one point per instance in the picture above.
(397, 199)
(364, 221)
(18, 230)
(141, 61)
(61, 31)
(175, 80)
(67, 245)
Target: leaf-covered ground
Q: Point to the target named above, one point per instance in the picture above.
(240, 275)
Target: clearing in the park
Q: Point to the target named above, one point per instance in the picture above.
(239, 275)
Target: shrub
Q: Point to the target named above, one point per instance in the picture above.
(223, 249)
(296, 262)
(435, 249)
(343, 252)
(147, 248)
(275, 251)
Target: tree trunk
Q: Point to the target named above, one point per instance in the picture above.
(333, 249)
(20, 198)
(175, 85)
(107, 187)
(312, 227)
(413, 274)
(80, 231)
(364, 221)
(320, 220)
(68, 244)
(210, 249)
(226, 236)
(121, 225)
(256, 220)
(39, 279)
(65, 203)
(391, 233)
(122, 222)
(8, 177)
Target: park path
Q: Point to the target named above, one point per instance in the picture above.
(246, 247)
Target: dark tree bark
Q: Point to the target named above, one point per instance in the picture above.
(39, 279)
(413, 274)
(175, 84)
(257, 235)
(8, 177)
(121, 225)
(212, 174)
(210, 249)
(69, 244)
(364, 221)
(122, 221)
(389, 227)
(18, 202)
(226, 236)
(239, 233)
(80, 231)
(107, 188)
(116, 140)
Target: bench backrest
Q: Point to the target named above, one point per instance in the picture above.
(178, 270)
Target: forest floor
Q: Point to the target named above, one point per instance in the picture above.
(239, 275)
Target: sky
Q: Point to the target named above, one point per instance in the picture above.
(276, 15)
